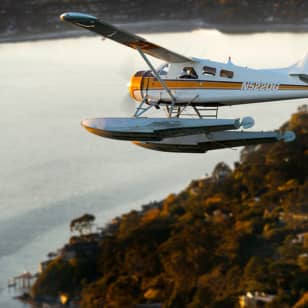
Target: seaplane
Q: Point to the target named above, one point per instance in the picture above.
(190, 91)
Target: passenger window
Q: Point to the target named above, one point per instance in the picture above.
(226, 74)
(207, 70)
(188, 73)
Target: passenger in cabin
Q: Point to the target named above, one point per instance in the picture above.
(188, 73)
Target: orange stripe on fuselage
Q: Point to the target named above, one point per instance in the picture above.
(292, 87)
(193, 84)
(152, 83)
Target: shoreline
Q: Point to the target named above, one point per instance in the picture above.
(162, 26)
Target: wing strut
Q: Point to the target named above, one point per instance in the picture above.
(148, 62)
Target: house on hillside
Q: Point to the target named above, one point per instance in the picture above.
(300, 238)
(43, 265)
(255, 300)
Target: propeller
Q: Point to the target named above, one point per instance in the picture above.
(126, 68)
(128, 105)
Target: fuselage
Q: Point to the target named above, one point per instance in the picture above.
(204, 82)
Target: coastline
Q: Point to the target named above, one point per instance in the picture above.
(163, 26)
(164, 227)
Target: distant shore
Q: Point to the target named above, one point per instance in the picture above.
(162, 26)
(35, 20)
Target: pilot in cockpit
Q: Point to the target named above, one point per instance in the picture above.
(188, 73)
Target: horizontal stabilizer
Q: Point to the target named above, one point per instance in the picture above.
(302, 77)
(107, 30)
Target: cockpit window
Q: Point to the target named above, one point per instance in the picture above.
(163, 69)
(207, 70)
(188, 73)
(226, 74)
(139, 73)
(148, 74)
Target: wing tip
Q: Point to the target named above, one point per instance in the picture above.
(76, 17)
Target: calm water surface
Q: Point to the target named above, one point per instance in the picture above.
(52, 170)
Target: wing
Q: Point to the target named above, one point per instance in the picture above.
(131, 40)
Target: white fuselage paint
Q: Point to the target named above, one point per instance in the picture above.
(246, 86)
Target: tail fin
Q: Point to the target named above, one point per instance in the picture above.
(300, 69)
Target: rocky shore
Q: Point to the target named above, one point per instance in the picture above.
(32, 19)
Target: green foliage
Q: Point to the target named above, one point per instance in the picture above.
(82, 224)
(303, 301)
(56, 279)
(64, 277)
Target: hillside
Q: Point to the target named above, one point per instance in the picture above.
(239, 230)
(30, 19)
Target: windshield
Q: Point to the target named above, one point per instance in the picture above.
(163, 69)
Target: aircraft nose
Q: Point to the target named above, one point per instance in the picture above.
(135, 86)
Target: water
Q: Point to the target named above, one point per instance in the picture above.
(52, 170)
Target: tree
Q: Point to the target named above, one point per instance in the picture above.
(303, 301)
(82, 224)
(221, 172)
